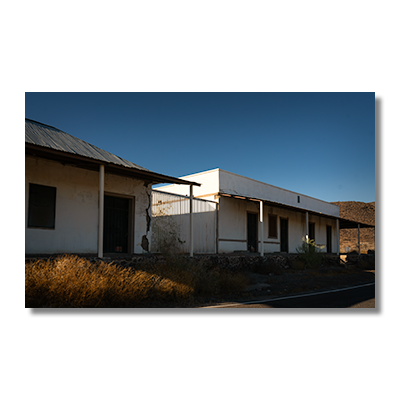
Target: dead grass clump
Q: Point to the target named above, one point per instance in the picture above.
(72, 282)
(232, 282)
(204, 280)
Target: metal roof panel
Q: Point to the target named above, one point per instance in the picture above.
(50, 137)
(53, 143)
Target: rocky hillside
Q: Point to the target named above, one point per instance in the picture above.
(358, 211)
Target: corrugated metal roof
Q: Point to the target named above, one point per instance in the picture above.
(50, 137)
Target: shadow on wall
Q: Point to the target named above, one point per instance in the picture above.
(171, 233)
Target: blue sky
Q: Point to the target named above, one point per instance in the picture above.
(319, 144)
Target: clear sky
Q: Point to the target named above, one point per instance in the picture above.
(318, 144)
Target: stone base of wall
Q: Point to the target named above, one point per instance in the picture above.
(354, 259)
(229, 262)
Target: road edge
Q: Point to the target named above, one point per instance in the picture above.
(225, 305)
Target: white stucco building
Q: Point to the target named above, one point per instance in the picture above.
(258, 217)
(82, 199)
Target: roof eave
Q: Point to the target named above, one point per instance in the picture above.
(347, 224)
(93, 164)
(343, 223)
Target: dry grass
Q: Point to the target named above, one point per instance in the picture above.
(74, 282)
(232, 282)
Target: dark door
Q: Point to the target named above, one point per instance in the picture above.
(329, 239)
(284, 235)
(252, 231)
(311, 231)
(116, 224)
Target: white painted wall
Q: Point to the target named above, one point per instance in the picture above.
(233, 226)
(77, 198)
(209, 181)
(217, 180)
(171, 224)
(232, 213)
(236, 184)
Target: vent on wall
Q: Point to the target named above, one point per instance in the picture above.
(298, 199)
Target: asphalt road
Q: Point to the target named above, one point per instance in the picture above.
(352, 297)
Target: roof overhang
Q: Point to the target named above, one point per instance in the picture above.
(343, 223)
(93, 164)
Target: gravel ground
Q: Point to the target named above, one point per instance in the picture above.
(324, 278)
(285, 282)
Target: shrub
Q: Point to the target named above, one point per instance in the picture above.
(310, 253)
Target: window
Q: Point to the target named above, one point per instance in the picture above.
(298, 199)
(42, 206)
(272, 226)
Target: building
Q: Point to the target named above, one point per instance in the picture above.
(82, 199)
(253, 216)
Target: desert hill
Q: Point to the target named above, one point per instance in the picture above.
(362, 212)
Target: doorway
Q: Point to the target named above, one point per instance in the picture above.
(329, 239)
(252, 232)
(116, 224)
(311, 231)
(284, 225)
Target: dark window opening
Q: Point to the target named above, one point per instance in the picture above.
(298, 199)
(272, 226)
(42, 206)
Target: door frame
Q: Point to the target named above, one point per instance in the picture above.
(247, 229)
(131, 219)
(287, 233)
